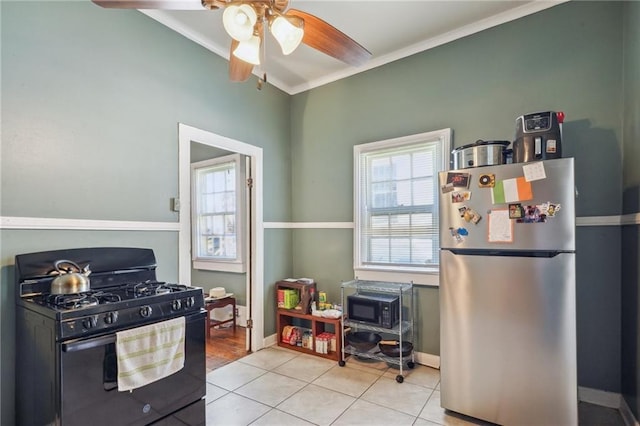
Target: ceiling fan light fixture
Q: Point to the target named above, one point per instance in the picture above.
(249, 50)
(288, 31)
(239, 20)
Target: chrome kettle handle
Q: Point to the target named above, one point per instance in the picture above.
(68, 262)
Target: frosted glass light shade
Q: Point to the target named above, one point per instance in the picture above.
(239, 21)
(249, 50)
(288, 32)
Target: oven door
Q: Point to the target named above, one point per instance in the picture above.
(89, 389)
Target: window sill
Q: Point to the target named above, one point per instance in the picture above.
(419, 278)
(238, 268)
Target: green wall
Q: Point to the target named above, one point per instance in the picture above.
(91, 101)
(567, 58)
(630, 247)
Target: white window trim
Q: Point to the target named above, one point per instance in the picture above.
(237, 265)
(419, 276)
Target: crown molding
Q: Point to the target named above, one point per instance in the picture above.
(458, 33)
(464, 31)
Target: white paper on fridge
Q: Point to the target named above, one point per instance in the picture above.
(511, 191)
(500, 227)
(534, 171)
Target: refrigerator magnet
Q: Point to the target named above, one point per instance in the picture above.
(471, 215)
(474, 216)
(516, 211)
(500, 228)
(487, 180)
(458, 179)
(456, 235)
(553, 208)
(447, 188)
(460, 196)
(462, 210)
(549, 209)
(534, 171)
(533, 214)
(511, 191)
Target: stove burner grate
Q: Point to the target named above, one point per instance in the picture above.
(81, 300)
(149, 288)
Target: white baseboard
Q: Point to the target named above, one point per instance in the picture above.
(270, 340)
(429, 360)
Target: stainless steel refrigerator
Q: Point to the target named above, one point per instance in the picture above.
(508, 293)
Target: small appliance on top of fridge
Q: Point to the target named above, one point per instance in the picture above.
(507, 293)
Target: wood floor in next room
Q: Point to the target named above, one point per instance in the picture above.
(224, 346)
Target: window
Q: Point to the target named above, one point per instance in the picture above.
(217, 214)
(396, 203)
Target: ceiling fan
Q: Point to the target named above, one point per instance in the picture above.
(246, 21)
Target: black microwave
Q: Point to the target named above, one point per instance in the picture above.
(382, 310)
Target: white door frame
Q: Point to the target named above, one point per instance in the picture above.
(186, 135)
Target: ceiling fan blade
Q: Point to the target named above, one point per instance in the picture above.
(152, 4)
(329, 40)
(239, 70)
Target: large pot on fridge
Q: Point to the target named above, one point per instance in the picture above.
(480, 153)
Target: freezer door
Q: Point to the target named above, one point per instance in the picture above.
(557, 233)
(508, 338)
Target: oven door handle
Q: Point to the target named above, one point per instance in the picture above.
(81, 345)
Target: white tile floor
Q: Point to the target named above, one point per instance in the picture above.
(277, 387)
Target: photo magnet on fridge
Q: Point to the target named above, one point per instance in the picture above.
(460, 196)
(549, 209)
(532, 214)
(474, 217)
(458, 179)
(516, 211)
(447, 188)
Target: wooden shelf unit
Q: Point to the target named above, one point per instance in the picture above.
(318, 325)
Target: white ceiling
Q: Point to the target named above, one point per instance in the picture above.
(418, 25)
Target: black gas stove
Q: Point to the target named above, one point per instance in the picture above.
(66, 342)
(118, 298)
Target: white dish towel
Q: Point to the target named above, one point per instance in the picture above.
(149, 353)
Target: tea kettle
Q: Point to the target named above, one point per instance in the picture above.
(69, 282)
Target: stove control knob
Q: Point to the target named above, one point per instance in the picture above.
(111, 317)
(145, 311)
(176, 305)
(88, 323)
(189, 302)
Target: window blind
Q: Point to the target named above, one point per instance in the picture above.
(398, 212)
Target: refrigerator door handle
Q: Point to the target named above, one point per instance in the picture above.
(508, 253)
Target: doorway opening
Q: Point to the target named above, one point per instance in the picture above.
(254, 285)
